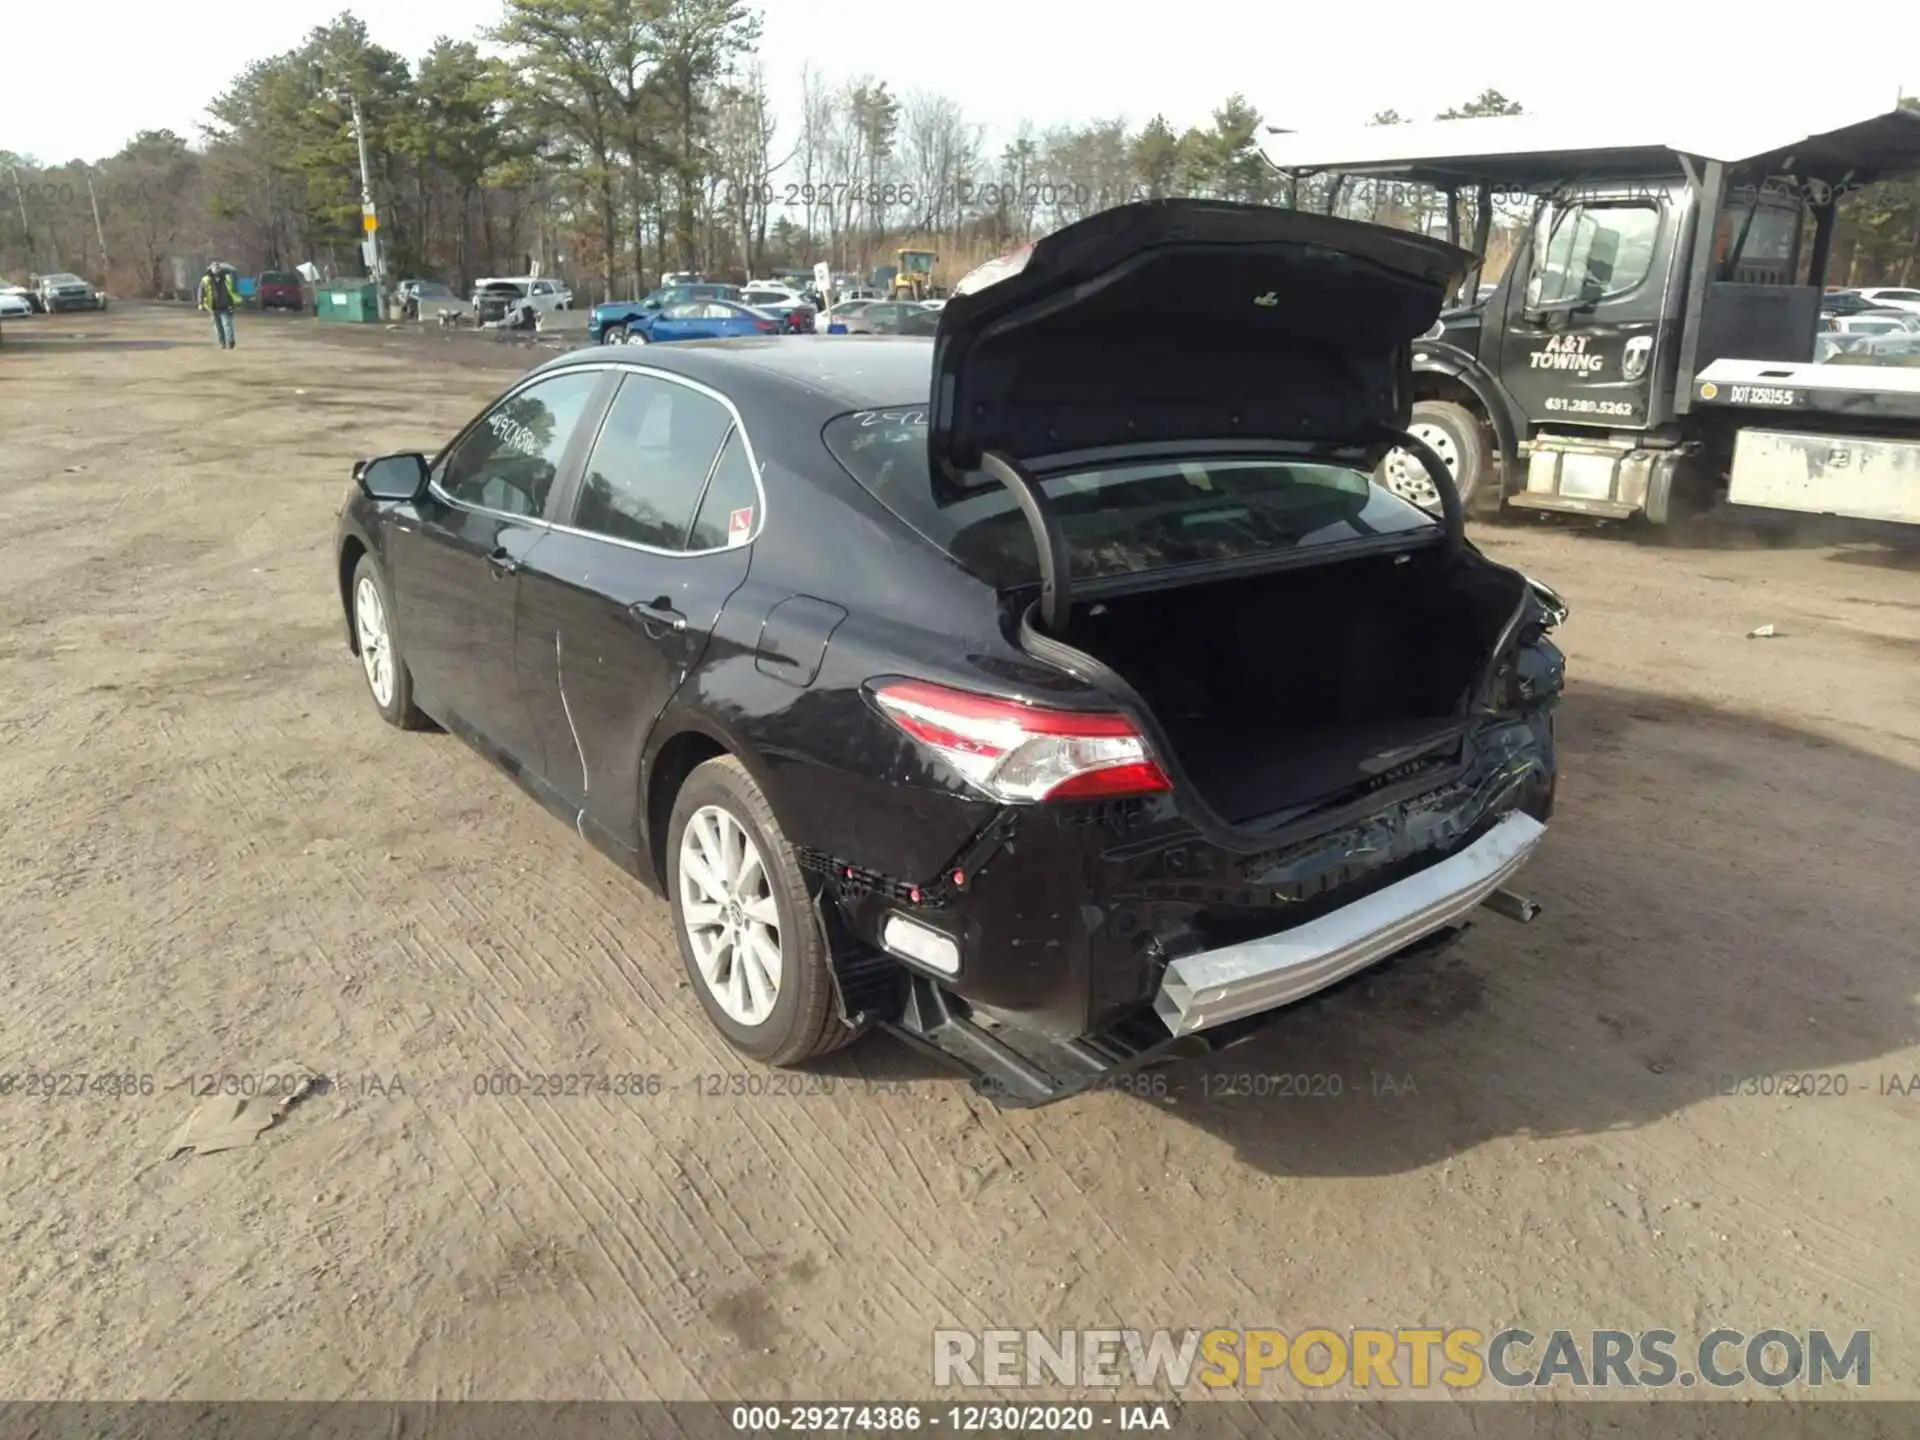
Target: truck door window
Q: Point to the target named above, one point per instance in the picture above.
(1589, 253)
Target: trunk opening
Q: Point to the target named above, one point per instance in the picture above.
(1285, 690)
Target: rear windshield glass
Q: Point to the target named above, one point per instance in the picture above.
(1123, 520)
(279, 277)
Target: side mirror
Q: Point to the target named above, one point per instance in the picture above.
(392, 477)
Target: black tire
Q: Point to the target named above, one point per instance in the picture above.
(1466, 434)
(399, 710)
(805, 1021)
(614, 335)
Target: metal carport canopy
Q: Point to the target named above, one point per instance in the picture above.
(1530, 150)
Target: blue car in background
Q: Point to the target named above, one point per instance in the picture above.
(695, 320)
(623, 315)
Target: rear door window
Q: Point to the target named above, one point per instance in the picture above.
(1122, 520)
(650, 463)
(728, 513)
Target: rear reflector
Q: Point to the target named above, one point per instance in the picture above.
(912, 941)
(1019, 753)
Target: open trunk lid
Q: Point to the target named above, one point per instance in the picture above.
(1182, 330)
(1184, 323)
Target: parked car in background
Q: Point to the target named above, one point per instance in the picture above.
(841, 312)
(1033, 784)
(1843, 302)
(280, 290)
(695, 320)
(924, 323)
(882, 317)
(622, 314)
(1885, 298)
(493, 298)
(66, 291)
(1863, 324)
(1900, 347)
(410, 294)
(15, 301)
(783, 302)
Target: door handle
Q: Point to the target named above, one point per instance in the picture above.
(660, 612)
(502, 562)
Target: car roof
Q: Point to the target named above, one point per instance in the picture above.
(818, 376)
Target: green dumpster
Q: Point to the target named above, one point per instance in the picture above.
(349, 302)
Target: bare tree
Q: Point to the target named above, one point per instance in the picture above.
(743, 153)
(939, 155)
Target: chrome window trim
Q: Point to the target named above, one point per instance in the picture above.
(739, 427)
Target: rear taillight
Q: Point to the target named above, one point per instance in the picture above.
(1020, 753)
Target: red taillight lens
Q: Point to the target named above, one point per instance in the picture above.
(1021, 753)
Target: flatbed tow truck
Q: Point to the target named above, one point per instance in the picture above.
(1648, 351)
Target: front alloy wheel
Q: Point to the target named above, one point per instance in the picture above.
(376, 648)
(388, 679)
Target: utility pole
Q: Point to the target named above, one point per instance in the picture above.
(369, 218)
(26, 226)
(98, 230)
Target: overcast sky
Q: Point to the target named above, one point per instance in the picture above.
(1052, 61)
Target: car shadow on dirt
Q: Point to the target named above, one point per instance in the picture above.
(82, 342)
(1726, 908)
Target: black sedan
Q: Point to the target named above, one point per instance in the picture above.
(1060, 693)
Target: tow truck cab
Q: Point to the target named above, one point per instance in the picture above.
(1649, 348)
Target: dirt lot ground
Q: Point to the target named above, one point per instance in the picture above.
(216, 859)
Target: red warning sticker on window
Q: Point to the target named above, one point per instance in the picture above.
(739, 525)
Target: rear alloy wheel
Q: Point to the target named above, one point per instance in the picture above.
(388, 679)
(1456, 435)
(748, 932)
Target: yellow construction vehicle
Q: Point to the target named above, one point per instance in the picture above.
(914, 279)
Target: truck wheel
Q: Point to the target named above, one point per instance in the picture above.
(749, 935)
(614, 335)
(1457, 436)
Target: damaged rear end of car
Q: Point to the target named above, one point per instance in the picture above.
(1260, 723)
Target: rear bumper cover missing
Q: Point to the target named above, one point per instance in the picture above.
(1215, 987)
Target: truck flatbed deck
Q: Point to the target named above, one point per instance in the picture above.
(1889, 392)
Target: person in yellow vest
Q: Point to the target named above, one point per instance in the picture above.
(218, 294)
